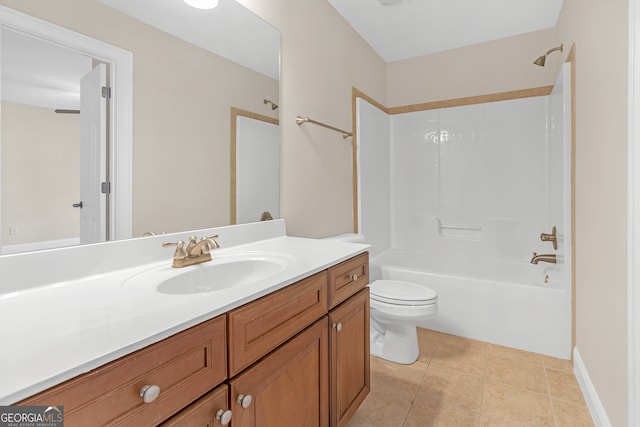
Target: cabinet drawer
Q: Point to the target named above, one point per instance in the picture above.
(184, 366)
(262, 325)
(203, 412)
(347, 278)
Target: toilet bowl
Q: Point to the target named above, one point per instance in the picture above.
(397, 308)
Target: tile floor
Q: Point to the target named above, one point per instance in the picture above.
(460, 382)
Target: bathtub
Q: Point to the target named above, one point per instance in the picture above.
(515, 304)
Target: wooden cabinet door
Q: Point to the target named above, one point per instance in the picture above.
(349, 357)
(289, 387)
(203, 412)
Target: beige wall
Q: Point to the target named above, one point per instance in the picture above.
(599, 30)
(497, 66)
(322, 58)
(40, 154)
(181, 111)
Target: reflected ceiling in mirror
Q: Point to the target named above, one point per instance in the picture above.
(182, 98)
(229, 30)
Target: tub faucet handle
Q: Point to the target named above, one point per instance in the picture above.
(553, 237)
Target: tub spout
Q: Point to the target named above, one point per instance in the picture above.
(550, 258)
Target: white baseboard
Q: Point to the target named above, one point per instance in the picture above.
(589, 392)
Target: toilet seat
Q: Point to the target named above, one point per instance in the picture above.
(399, 292)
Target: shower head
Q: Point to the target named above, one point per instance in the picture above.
(273, 104)
(543, 58)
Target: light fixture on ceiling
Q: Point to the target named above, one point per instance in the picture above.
(202, 4)
(542, 59)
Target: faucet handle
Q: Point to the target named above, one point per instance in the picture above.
(210, 244)
(213, 239)
(180, 252)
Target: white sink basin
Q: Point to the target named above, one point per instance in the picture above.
(222, 273)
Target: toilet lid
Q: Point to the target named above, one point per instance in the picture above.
(404, 293)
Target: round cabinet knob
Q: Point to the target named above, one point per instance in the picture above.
(353, 277)
(337, 326)
(245, 401)
(223, 416)
(149, 393)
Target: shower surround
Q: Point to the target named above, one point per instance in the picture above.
(456, 199)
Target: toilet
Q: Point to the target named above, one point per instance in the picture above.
(397, 308)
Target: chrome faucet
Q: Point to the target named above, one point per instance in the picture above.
(195, 252)
(550, 258)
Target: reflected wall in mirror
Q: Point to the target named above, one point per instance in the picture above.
(182, 96)
(255, 166)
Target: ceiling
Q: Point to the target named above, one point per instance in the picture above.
(38, 73)
(410, 28)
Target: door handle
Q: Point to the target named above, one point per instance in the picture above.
(77, 205)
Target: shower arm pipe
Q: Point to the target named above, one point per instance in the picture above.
(301, 120)
(554, 49)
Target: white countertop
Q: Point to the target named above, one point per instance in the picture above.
(52, 333)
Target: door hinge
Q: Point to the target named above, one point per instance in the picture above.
(106, 92)
(106, 187)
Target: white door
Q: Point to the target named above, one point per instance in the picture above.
(257, 169)
(93, 150)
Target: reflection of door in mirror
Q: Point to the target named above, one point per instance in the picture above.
(41, 204)
(255, 167)
(40, 143)
(93, 156)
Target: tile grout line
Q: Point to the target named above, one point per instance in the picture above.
(415, 393)
(484, 382)
(546, 380)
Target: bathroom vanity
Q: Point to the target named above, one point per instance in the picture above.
(295, 352)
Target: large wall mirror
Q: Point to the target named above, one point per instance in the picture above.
(189, 69)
